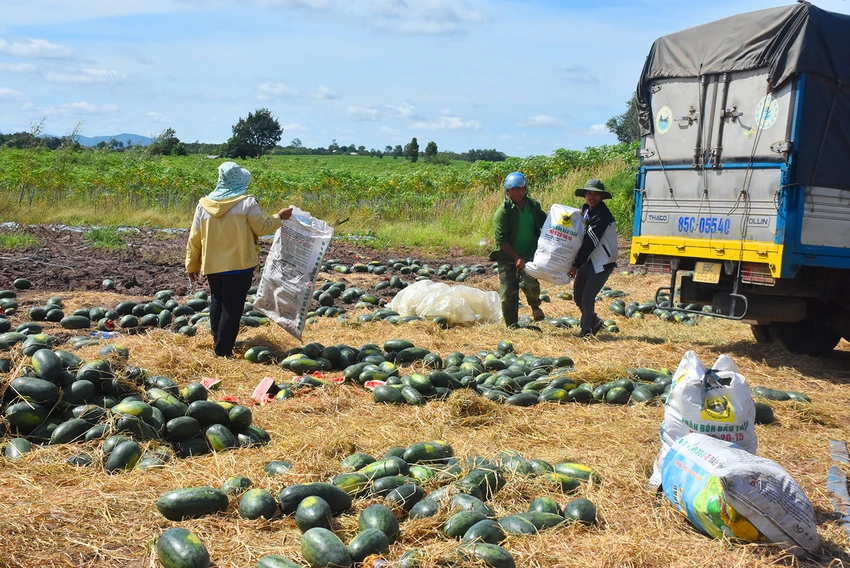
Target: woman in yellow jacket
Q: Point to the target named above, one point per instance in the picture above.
(224, 246)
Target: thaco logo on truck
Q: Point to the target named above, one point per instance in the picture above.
(657, 218)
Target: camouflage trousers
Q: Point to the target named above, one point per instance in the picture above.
(511, 281)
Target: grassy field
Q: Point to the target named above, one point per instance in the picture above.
(59, 515)
(397, 202)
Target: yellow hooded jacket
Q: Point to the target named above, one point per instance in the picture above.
(225, 235)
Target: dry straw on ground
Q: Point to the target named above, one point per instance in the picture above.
(58, 515)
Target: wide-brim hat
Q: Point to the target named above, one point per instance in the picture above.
(594, 185)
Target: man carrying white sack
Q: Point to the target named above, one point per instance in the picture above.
(597, 257)
(517, 224)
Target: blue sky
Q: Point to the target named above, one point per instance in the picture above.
(523, 77)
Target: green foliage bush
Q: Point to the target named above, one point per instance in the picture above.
(370, 191)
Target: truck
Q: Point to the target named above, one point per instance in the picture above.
(742, 193)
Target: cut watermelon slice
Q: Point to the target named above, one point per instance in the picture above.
(265, 390)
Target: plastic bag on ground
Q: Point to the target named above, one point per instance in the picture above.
(458, 304)
(558, 245)
(292, 265)
(725, 491)
(716, 402)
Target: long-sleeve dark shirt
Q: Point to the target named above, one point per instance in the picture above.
(597, 221)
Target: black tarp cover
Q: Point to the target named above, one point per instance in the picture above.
(786, 41)
(800, 38)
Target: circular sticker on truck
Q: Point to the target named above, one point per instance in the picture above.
(663, 120)
(767, 111)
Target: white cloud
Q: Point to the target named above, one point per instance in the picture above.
(599, 129)
(320, 5)
(425, 17)
(7, 93)
(362, 113)
(539, 120)
(275, 91)
(404, 109)
(17, 67)
(85, 77)
(295, 128)
(157, 117)
(447, 123)
(83, 106)
(580, 75)
(387, 130)
(326, 94)
(422, 17)
(37, 48)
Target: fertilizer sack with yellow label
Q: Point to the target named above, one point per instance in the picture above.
(558, 245)
(726, 492)
(713, 401)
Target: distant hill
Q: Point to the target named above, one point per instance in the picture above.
(136, 139)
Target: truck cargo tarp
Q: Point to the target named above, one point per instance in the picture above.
(786, 41)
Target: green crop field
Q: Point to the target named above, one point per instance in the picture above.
(393, 200)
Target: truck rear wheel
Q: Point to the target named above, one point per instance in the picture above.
(807, 337)
(761, 333)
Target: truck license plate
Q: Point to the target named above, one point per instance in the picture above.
(707, 272)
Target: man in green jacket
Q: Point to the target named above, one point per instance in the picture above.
(517, 222)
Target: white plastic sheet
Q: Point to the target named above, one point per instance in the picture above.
(292, 265)
(458, 304)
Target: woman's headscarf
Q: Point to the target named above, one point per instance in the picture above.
(232, 182)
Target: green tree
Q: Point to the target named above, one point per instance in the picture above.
(166, 143)
(430, 151)
(296, 143)
(625, 126)
(411, 150)
(254, 135)
(398, 151)
(388, 149)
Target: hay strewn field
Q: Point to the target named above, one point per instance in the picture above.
(58, 515)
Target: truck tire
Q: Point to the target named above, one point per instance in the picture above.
(807, 337)
(761, 333)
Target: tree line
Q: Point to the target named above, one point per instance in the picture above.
(253, 136)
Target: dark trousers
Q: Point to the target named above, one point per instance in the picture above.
(228, 295)
(510, 283)
(587, 285)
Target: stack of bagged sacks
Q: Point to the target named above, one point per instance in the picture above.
(708, 469)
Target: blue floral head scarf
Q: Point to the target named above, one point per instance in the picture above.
(232, 182)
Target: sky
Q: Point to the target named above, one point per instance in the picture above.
(525, 78)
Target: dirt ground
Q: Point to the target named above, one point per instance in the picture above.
(63, 260)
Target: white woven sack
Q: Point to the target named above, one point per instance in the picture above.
(716, 402)
(292, 265)
(558, 245)
(728, 493)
